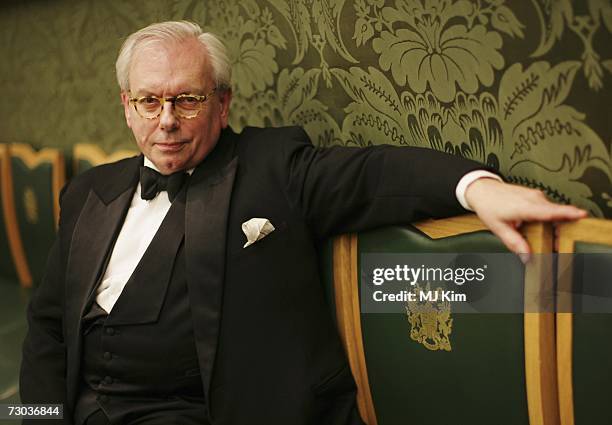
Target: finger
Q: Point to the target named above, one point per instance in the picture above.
(513, 240)
(575, 213)
(554, 212)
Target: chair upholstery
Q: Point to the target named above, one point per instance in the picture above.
(37, 178)
(86, 156)
(498, 364)
(584, 346)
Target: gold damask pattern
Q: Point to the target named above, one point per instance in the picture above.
(521, 85)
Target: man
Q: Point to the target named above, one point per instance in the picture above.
(154, 311)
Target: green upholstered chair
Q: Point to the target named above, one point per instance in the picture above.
(14, 276)
(37, 178)
(584, 339)
(86, 156)
(13, 268)
(497, 369)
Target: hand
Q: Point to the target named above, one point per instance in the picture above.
(504, 207)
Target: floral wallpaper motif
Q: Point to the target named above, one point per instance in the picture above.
(521, 85)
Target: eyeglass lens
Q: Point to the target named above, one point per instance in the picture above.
(185, 106)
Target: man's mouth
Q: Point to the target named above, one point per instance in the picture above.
(170, 146)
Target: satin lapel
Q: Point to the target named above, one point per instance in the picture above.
(153, 273)
(93, 236)
(95, 231)
(208, 201)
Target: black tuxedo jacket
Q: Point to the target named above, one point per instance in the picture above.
(268, 351)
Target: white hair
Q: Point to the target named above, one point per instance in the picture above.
(175, 31)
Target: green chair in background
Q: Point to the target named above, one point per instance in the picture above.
(86, 156)
(14, 278)
(494, 368)
(13, 266)
(37, 179)
(584, 339)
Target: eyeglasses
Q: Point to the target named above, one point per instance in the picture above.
(185, 105)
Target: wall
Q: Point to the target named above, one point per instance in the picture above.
(523, 85)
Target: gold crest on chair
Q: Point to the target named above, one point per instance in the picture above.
(430, 322)
(30, 205)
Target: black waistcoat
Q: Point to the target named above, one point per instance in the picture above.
(142, 357)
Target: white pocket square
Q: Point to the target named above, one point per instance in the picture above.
(256, 229)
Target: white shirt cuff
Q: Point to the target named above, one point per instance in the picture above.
(468, 179)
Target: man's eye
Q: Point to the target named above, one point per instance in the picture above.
(187, 100)
(148, 101)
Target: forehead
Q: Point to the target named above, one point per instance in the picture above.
(170, 68)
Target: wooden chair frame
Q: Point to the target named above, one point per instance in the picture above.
(539, 328)
(96, 156)
(590, 230)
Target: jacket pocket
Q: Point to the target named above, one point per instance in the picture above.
(262, 245)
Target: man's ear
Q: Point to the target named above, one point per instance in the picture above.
(125, 101)
(225, 99)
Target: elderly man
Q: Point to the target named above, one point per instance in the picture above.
(156, 310)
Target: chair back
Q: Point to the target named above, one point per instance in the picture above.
(471, 367)
(584, 343)
(13, 268)
(37, 179)
(87, 155)
(14, 278)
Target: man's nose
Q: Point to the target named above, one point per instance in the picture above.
(168, 121)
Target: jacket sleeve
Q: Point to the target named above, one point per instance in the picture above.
(347, 189)
(43, 365)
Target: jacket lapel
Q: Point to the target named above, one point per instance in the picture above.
(95, 231)
(208, 201)
(152, 275)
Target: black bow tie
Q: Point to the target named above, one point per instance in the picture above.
(152, 182)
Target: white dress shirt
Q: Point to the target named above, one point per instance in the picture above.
(140, 226)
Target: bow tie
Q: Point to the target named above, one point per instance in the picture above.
(152, 182)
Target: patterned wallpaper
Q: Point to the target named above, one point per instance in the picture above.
(522, 85)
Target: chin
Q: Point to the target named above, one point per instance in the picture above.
(173, 168)
(168, 165)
